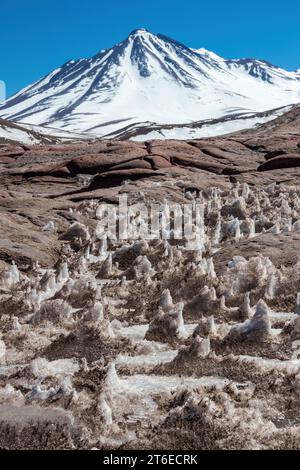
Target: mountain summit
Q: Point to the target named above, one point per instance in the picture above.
(150, 79)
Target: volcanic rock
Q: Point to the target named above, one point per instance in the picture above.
(291, 160)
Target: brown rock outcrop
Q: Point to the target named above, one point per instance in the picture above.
(291, 160)
(11, 151)
(6, 160)
(97, 163)
(116, 177)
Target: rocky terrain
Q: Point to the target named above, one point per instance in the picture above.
(143, 343)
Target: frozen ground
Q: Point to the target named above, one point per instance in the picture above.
(156, 345)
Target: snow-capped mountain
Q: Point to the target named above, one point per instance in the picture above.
(147, 80)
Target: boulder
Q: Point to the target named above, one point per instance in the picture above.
(61, 172)
(6, 160)
(136, 163)
(172, 148)
(218, 153)
(116, 177)
(41, 169)
(159, 161)
(274, 153)
(11, 151)
(213, 167)
(129, 148)
(290, 160)
(93, 164)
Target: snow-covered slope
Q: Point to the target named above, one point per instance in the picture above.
(11, 132)
(150, 78)
(198, 129)
(30, 135)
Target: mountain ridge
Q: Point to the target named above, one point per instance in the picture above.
(150, 78)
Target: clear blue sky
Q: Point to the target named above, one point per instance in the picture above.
(37, 36)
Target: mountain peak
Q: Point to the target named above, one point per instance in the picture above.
(150, 77)
(139, 32)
